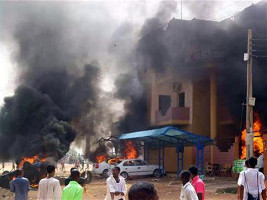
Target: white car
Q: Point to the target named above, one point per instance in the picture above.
(103, 169)
(138, 167)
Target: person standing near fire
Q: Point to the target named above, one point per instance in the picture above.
(73, 191)
(63, 165)
(20, 186)
(49, 187)
(116, 186)
(252, 182)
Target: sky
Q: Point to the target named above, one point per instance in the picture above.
(122, 11)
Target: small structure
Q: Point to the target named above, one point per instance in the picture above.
(170, 137)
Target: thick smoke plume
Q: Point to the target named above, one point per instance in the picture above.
(131, 86)
(56, 86)
(188, 47)
(63, 50)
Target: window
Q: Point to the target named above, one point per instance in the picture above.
(140, 163)
(182, 99)
(164, 103)
(128, 163)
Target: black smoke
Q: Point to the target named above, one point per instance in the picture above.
(56, 86)
(131, 85)
(188, 47)
(130, 89)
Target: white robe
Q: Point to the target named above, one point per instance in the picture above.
(113, 186)
(49, 189)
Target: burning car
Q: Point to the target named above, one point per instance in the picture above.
(34, 172)
(103, 169)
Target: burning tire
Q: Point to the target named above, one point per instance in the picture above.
(124, 175)
(157, 173)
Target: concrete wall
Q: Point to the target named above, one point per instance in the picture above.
(201, 107)
(170, 161)
(197, 98)
(162, 84)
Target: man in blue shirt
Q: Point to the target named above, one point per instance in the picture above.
(20, 186)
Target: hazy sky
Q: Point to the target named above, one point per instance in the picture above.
(122, 11)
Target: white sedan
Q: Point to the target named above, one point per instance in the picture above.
(103, 169)
(137, 167)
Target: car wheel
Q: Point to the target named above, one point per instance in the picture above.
(157, 173)
(124, 175)
(105, 173)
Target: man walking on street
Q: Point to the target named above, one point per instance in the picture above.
(49, 187)
(197, 183)
(187, 192)
(20, 186)
(252, 182)
(73, 191)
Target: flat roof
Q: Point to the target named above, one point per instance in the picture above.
(168, 135)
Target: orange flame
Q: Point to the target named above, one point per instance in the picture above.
(115, 160)
(101, 158)
(130, 151)
(30, 160)
(257, 141)
(34, 185)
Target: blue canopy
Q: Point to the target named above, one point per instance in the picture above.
(170, 135)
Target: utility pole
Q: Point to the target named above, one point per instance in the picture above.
(250, 102)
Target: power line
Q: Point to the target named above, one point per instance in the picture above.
(230, 15)
(203, 16)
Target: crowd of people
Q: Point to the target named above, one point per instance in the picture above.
(49, 187)
(250, 186)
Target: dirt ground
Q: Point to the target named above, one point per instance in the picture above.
(168, 188)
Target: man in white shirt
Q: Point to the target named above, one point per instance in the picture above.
(188, 191)
(242, 173)
(116, 186)
(49, 187)
(252, 182)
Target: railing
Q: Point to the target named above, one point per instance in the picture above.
(174, 115)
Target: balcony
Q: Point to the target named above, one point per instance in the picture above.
(174, 115)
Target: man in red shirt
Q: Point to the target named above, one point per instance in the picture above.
(197, 183)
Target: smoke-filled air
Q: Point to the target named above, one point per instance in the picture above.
(80, 67)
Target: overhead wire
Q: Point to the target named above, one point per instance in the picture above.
(203, 16)
(219, 18)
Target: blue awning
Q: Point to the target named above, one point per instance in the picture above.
(170, 135)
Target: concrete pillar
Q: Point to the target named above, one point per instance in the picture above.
(213, 111)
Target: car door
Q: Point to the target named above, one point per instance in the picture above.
(129, 167)
(142, 167)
